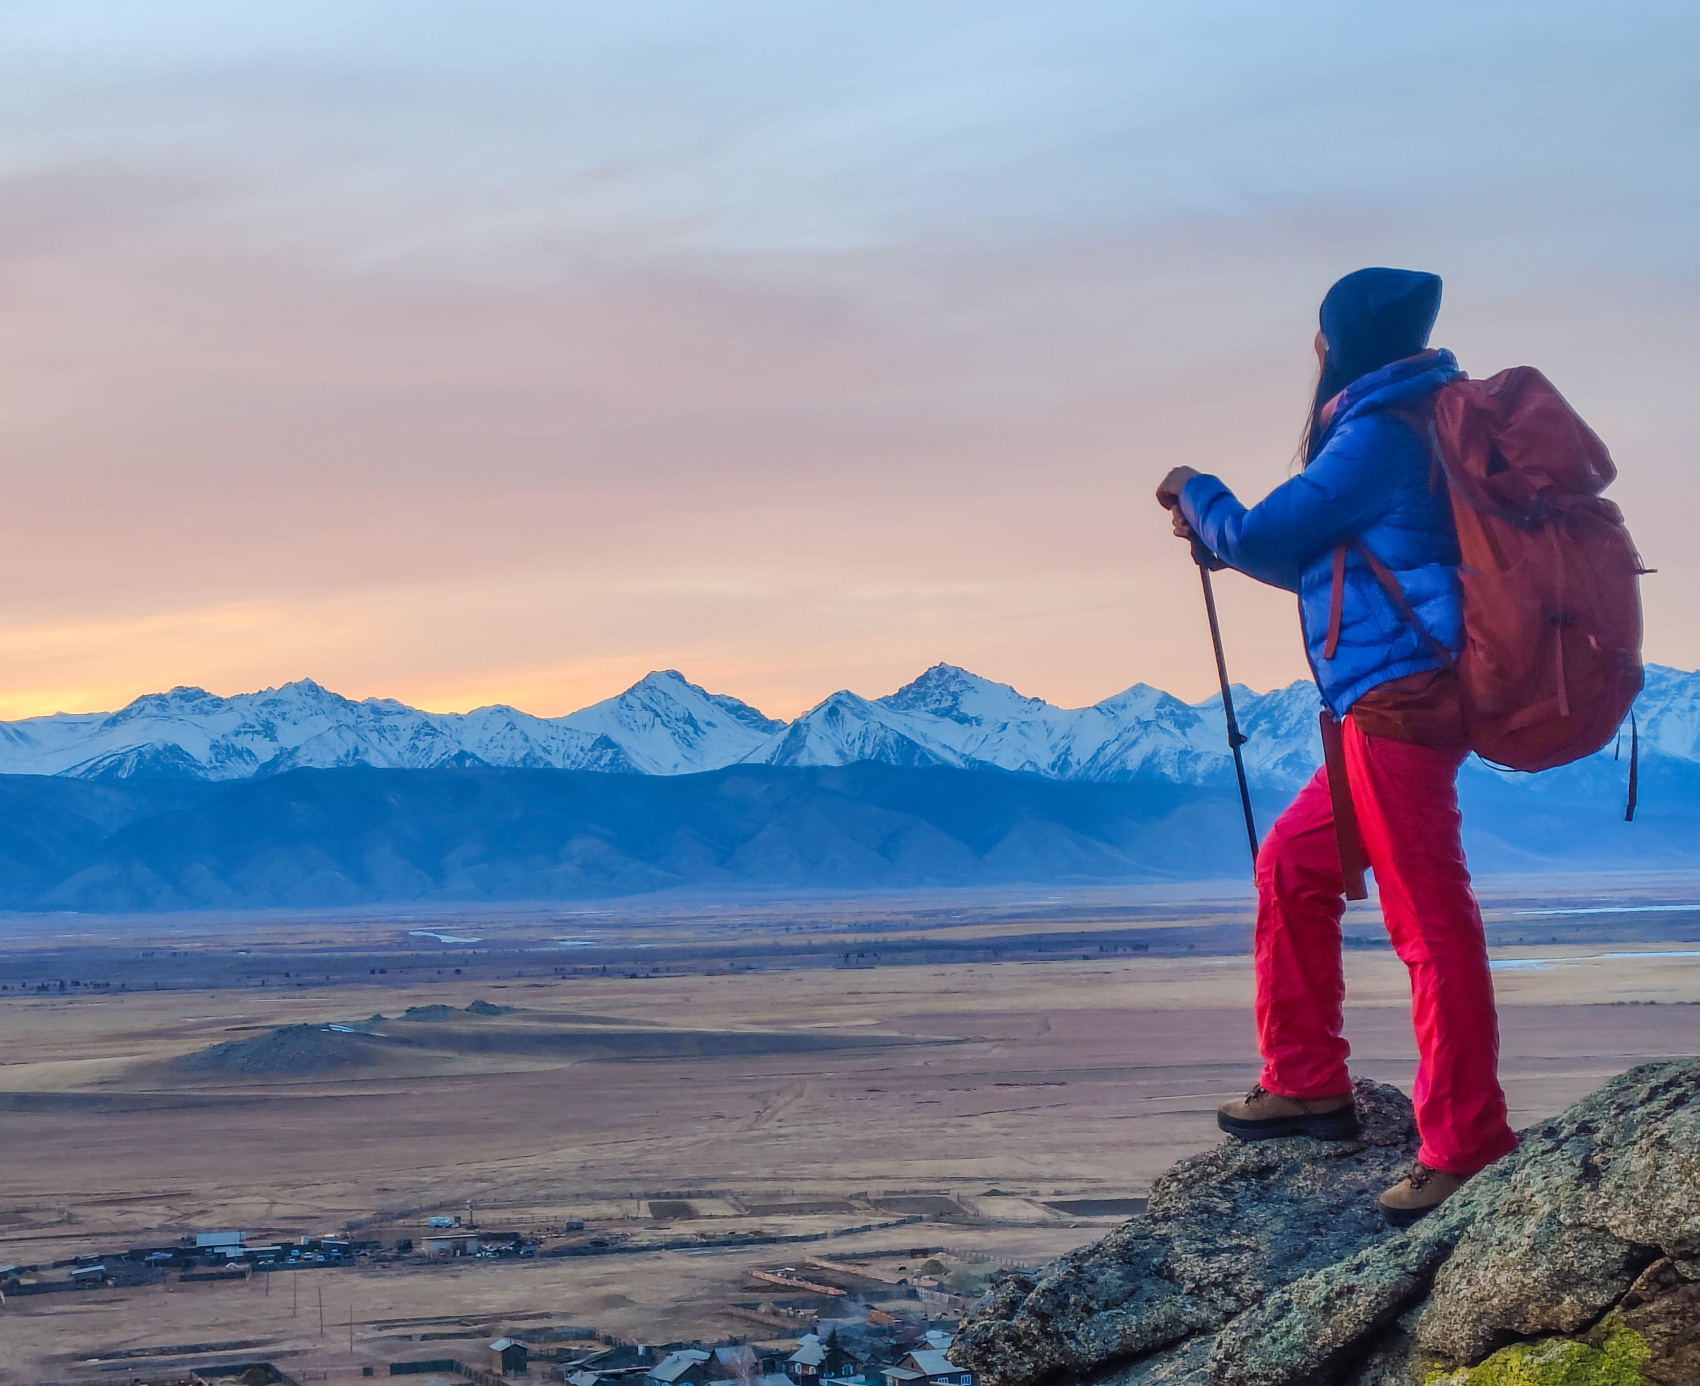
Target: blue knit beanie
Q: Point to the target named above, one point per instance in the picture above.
(1376, 316)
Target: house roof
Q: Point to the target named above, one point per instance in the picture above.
(675, 1364)
(810, 1354)
(932, 1363)
(774, 1379)
(583, 1379)
(735, 1355)
(503, 1344)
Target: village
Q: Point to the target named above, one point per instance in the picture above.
(872, 1316)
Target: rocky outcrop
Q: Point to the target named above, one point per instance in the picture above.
(1221, 1231)
(1265, 1265)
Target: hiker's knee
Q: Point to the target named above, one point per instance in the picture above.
(1291, 864)
(1272, 853)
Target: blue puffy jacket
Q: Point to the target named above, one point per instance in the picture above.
(1372, 480)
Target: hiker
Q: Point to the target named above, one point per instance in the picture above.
(1369, 479)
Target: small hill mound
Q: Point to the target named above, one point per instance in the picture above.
(437, 1012)
(289, 1050)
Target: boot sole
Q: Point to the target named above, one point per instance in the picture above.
(1325, 1126)
(1404, 1217)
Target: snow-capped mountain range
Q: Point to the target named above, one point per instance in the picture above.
(666, 725)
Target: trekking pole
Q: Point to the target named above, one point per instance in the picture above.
(1236, 738)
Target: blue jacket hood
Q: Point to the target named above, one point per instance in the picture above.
(1400, 382)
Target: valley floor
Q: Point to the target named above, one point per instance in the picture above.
(1015, 1106)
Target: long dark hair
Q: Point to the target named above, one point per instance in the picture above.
(1328, 384)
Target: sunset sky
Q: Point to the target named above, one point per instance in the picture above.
(471, 353)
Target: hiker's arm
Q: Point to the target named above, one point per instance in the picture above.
(1342, 491)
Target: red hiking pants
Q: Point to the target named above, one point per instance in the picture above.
(1407, 806)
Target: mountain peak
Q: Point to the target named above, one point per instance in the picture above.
(946, 670)
(663, 678)
(946, 690)
(673, 687)
(668, 725)
(184, 698)
(942, 675)
(843, 699)
(1142, 700)
(298, 697)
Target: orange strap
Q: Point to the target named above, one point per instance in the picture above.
(1350, 841)
(1336, 602)
(1396, 595)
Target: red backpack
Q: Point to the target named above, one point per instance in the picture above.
(1552, 603)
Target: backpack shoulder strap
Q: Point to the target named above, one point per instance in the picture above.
(1395, 594)
(1336, 602)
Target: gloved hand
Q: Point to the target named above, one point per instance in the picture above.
(1168, 496)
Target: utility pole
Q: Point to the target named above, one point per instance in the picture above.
(351, 1326)
(294, 1295)
(321, 1311)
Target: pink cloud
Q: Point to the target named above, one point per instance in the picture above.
(272, 407)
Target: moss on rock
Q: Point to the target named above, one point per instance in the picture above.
(1556, 1362)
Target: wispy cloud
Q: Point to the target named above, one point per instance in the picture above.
(473, 354)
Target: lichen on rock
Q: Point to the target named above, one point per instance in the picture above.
(1593, 1196)
(1556, 1362)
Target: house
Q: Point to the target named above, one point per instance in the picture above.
(846, 1348)
(460, 1245)
(739, 1362)
(686, 1367)
(626, 1363)
(928, 1367)
(804, 1365)
(508, 1358)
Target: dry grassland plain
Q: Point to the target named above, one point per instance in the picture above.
(1007, 1068)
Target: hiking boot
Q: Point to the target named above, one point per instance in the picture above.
(1420, 1192)
(1260, 1116)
